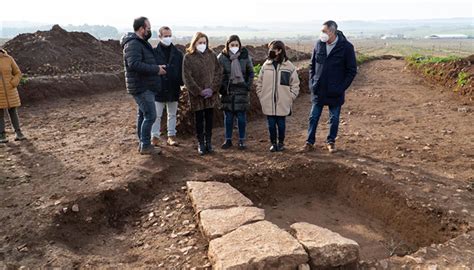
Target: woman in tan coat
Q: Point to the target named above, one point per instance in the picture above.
(278, 86)
(202, 76)
(10, 76)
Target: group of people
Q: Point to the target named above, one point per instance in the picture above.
(155, 76)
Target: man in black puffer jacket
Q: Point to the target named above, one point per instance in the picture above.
(142, 79)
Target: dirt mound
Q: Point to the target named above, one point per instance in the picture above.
(303, 74)
(58, 51)
(470, 58)
(456, 74)
(181, 48)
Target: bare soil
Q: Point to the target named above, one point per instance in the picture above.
(58, 51)
(448, 74)
(402, 179)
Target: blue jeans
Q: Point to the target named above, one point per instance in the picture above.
(229, 124)
(145, 117)
(273, 122)
(334, 113)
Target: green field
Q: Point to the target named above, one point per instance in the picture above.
(403, 47)
(460, 47)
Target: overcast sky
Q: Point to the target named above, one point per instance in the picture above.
(120, 13)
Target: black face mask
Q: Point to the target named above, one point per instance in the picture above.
(147, 35)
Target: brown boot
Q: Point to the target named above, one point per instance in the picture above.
(331, 147)
(172, 141)
(150, 150)
(155, 141)
(307, 147)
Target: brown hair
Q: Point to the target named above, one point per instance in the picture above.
(279, 45)
(139, 22)
(229, 40)
(194, 40)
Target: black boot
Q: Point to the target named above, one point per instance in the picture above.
(227, 144)
(209, 144)
(281, 146)
(201, 146)
(242, 145)
(274, 147)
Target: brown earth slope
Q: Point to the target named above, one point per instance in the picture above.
(58, 51)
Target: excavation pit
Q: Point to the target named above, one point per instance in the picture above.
(364, 207)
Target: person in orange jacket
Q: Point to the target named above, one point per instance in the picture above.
(10, 76)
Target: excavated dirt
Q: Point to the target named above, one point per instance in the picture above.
(369, 209)
(58, 51)
(77, 195)
(447, 74)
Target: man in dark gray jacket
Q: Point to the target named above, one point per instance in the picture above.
(142, 79)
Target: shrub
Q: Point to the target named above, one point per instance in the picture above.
(363, 58)
(256, 69)
(463, 78)
(23, 80)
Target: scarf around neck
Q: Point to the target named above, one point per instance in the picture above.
(236, 75)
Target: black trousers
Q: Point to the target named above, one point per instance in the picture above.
(204, 120)
(12, 112)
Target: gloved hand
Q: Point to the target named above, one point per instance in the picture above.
(206, 93)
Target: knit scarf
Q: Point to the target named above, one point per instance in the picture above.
(236, 75)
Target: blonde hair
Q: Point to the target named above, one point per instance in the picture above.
(191, 49)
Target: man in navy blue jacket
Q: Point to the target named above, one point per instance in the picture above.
(333, 67)
(142, 77)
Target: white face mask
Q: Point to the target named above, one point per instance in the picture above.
(201, 47)
(234, 50)
(167, 41)
(324, 37)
